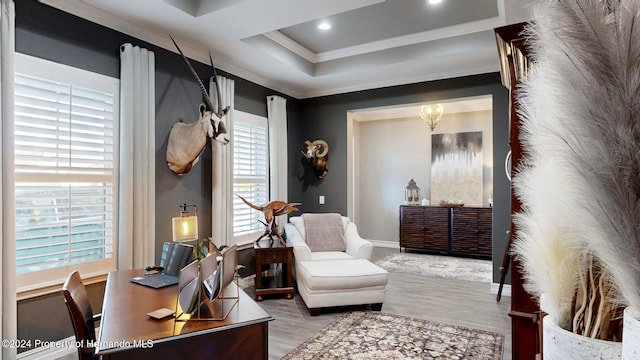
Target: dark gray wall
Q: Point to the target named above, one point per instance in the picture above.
(326, 118)
(48, 33)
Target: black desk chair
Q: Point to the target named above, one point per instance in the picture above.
(75, 296)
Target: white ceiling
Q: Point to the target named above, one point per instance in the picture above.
(372, 43)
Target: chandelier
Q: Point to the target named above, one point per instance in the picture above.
(431, 116)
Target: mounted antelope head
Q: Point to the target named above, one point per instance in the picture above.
(316, 153)
(187, 141)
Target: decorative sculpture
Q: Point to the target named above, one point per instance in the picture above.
(270, 211)
(316, 153)
(187, 141)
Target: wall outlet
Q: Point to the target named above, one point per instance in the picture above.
(321, 200)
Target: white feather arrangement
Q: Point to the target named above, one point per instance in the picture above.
(580, 182)
(548, 251)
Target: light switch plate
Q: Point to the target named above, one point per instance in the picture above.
(321, 200)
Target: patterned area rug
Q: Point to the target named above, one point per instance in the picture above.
(439, 266)
(375, 335)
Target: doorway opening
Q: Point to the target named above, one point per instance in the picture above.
(389, 146)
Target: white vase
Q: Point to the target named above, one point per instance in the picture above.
(631, 334)
(560, 344)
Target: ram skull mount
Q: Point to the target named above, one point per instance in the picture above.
(187, 141)
(316, 153)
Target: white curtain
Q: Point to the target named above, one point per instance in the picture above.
(8, 308)
(136, 235)
(222, 169)
(277, 116)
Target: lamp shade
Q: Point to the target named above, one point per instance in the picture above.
(185, 228)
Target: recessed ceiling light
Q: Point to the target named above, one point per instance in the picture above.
(435, 1)
(324, 26)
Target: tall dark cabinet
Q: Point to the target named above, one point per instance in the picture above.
(524, 310)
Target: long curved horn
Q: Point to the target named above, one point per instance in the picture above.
(215, 80)
(204, 90)
(325, 148)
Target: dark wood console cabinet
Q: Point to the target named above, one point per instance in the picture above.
(424, 227)
(455, 230)
(471, 231)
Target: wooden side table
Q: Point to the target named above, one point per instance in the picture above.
(273, 269)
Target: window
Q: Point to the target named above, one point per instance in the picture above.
(66, 169)
(250, 174)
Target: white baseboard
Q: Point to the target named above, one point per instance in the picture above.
(385, 244)
(506, 289)
(55, 350)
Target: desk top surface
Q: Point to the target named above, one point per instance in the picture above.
(125, 321)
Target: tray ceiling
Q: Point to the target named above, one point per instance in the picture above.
(276, 43)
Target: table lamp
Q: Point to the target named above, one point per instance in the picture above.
(185, 226)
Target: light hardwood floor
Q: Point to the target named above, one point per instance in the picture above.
(455, 302)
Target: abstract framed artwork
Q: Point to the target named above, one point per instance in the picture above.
(456, 168)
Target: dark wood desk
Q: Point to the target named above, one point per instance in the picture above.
(126, 332)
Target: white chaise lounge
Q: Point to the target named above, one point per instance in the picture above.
(332, 266)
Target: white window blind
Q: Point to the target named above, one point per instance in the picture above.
(250, 174)
(65, 162)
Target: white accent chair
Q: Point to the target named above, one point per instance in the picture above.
(336, 278)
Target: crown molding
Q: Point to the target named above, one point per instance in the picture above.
(426, 36)
(291, 45)
(411, 79)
